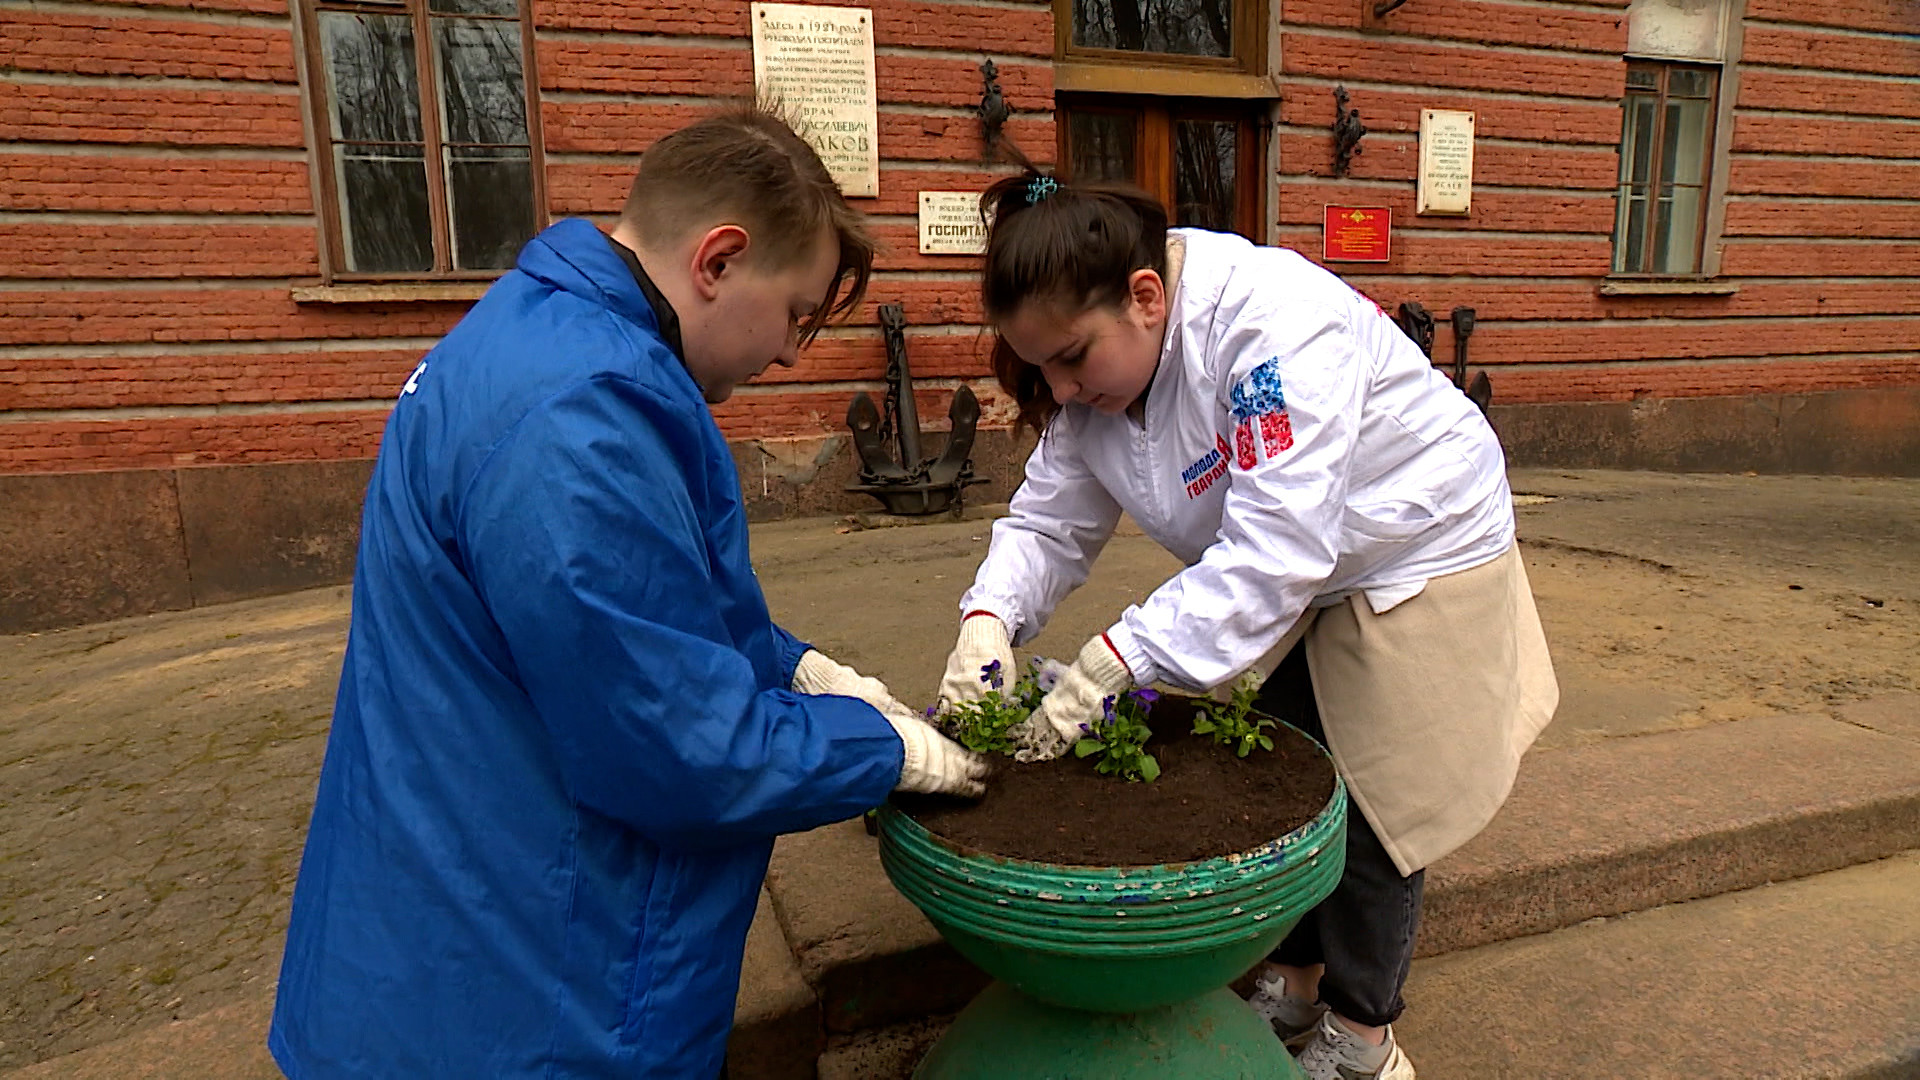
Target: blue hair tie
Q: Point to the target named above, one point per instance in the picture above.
(1040, 187)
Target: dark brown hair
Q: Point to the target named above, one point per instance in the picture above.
(1071, 245)
(748, 166)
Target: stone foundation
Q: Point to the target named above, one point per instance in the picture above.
(86, 547)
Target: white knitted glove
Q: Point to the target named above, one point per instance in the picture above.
(935, 764)
(932, 763)
(816, 674)
(1075, 705)
(983, 640)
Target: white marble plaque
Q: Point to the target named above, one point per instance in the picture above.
(817, 62)
(950, 223)
(1446, 162)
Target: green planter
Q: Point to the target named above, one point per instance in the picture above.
(1108, 972)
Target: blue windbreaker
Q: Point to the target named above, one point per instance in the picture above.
(564, 739)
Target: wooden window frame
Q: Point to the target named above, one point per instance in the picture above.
(1713, 161)
(313, 89)
(1153, 146)
(1249, 50)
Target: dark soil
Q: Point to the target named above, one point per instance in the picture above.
(1206, 803)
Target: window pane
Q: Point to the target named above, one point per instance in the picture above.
(1184, 27)
(1636, 160)
(1204, 155)
(1675, 251)
(373, 87)
(1683, 168)
(1643, 78)
(384, 217)
(475, 7)
(1630, 231)
(491, 198)
(1683, 160)
(483, 99)
(1100, 146)
(1636, 139)
(1689, 82)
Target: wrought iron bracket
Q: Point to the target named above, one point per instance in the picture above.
(993, 108)
(1373, 15)
(1347, 132)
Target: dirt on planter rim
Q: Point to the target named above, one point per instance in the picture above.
(1206, 803)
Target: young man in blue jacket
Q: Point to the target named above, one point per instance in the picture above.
(567, 730)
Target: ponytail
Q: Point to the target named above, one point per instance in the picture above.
(1070, 245)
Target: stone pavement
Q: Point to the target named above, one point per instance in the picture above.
(1737, 656)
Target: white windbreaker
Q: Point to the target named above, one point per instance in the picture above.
(1296, 449)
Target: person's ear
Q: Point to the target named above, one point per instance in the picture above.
(716, 255)
(1148, 295)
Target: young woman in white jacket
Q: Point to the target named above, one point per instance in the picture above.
(1337, 503)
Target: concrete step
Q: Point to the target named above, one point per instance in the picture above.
(1814, 979)
(1595, 830)
(1818, 977)
(1628, 824)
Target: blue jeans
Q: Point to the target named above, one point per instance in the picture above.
(1364, 930)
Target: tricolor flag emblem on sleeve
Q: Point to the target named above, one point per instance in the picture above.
(1261, 427)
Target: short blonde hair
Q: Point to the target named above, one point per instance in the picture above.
(748, 166)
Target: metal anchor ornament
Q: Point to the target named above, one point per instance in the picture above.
(910, 484)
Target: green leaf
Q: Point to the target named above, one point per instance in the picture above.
(1088, 746)
(1149, 768)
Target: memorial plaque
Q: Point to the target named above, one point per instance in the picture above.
(1446, 162)
(1357, 234)
(950, 223)
(817, 63)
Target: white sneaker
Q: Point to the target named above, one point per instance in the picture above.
(1334, 1053)
(1292, 1018)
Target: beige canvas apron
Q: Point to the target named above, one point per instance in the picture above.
(1429, 706)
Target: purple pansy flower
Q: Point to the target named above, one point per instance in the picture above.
(1146, 696)
(990, 674)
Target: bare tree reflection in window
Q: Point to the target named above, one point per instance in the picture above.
(379, 151)
(1100, 146)
(1205, 155)
(487, 157)
(1179, 27)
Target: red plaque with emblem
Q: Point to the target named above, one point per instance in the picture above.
(1358, 234)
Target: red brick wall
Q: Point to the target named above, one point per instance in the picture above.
(157, 211)
(156, 208)
(1822, 235)
(614, 71)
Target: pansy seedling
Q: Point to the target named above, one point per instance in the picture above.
(1120, 741)
(1234, 724)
